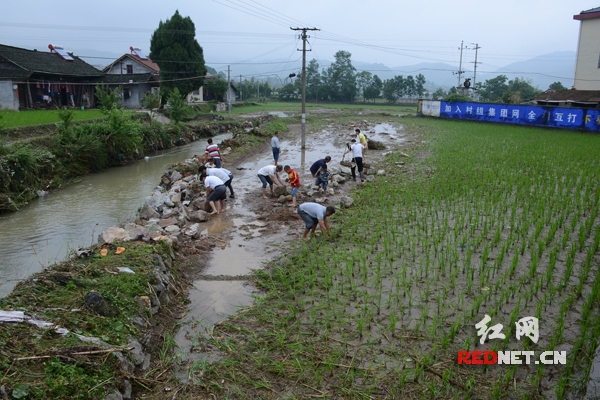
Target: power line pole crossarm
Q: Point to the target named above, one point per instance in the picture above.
(303, 36)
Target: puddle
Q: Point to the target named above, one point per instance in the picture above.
(214, 301)
(239, 257)
(279, 114)
(385, 132)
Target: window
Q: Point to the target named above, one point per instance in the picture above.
(130, 69)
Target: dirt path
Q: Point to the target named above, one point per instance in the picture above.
(254, 231)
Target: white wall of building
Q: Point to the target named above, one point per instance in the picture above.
(587, 71)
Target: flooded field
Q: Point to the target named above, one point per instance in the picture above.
(471, 226)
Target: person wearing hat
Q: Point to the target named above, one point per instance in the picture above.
(356, 149)
(216, 192)
(212, 152)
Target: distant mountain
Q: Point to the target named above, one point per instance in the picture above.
(542, 70)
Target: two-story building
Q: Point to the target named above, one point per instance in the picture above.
(587, 68)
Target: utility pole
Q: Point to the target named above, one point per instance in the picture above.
(304, 37)
(241, 88)
(460, 71)
(475, 69)
(229, 89)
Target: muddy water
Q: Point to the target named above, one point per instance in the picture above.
(45, 231)
(222, 290)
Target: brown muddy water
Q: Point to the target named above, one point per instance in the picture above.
(45, 231)
(222, 289)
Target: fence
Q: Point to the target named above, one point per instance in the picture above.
(555, 117)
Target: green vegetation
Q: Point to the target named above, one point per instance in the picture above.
(174, 48)
(12, 119)
(62, 367)
(481, 219)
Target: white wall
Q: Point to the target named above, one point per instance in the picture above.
(8, 96)
(587, 73)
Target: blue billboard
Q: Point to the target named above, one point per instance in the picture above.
(568, 118)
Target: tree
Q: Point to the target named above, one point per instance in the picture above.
(420, 84)
(313, 80)
(523, 88)
(217, 87)
(151, 101)
(176, 106)
(438, 94)
(108, 98)
(181, 60)
(340, 78)
(493, 89)
(389, 90)
(373, 91)
(363, 81)
(411, 86)
(557, 86)
(288, 92)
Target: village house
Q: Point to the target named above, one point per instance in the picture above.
(137, 75)
(31, 79)
(203, 96)
(587, 67)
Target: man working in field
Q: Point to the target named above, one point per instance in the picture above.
(269, 174)
(212, 152)
(294, 181)
(215, 192)
(356, 149)
(323, 177)
(221, 173)
(275, 147)
(318, 164)
(314, 214)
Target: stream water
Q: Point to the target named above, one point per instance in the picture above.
(45, 231)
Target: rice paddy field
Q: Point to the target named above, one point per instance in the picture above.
(480, 220)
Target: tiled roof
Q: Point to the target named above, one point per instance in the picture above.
(592, 10)
(152, 66)
(569, 95)
(124, 79)
(26, 62)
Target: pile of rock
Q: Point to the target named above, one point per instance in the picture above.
(175, 208)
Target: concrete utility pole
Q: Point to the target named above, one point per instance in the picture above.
(304, 37)
(475, 69)
(229, 89)
(241, 87)
(460, 71)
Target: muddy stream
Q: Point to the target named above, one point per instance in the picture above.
(251, 238)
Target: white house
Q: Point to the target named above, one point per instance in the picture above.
(587, 69)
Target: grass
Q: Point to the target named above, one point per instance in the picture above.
(13, 119)
(57, 295)
(296, 107)
(383, 309)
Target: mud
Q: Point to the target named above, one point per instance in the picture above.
(254, 231)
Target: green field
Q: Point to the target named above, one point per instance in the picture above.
(13, 119)
(480, 220)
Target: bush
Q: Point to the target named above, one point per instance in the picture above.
(108, 99)
(454, 98)
(176, 106)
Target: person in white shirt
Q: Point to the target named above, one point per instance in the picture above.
(356, 149)
(215, 192)
(268, 175)
(221, 173)
(275, 147)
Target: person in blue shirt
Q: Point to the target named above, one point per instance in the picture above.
(323, 177)
(275, 147)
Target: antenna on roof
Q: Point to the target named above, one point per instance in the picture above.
(61, 52)
(138, 52)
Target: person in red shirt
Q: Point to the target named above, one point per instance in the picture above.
(294, 180)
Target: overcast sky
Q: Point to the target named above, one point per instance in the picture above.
(394, 33)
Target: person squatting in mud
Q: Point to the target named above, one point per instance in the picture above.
(318, 164)
(314, 214)
(228, 173)
(216, 192)
(268, 175)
